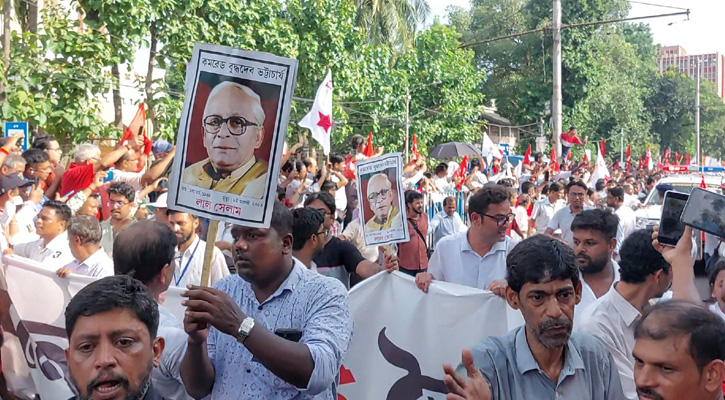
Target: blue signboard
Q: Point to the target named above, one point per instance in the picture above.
(17, 128)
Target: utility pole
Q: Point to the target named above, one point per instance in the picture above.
(8, 5)
(407, 121)
(697, 115)
(621, 146)
(556, 97)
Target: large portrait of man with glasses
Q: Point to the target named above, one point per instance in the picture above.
(380, 195)
(233, 129)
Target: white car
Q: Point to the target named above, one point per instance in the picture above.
(649, 214)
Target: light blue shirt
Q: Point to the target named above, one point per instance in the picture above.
(166, 377)
(443, 225)
(512, 371)
(316, 305)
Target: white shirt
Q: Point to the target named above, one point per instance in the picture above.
(187, 269)
(455, 261)
(522, 219)
(543, 211)
(97, 264)
(715, 308)
(611, 319)
(588, 296)
(627, 225)
(562, 219)
(340, 195)
(479, 179)
(132, 178)
(353, 234)
(54, 255)
(443, 184)
(631, 201)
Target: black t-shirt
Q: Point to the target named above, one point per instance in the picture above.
(338, 254)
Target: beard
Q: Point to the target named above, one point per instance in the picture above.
(184, 238)
(137, 394)
(592, 266)
(554, 340)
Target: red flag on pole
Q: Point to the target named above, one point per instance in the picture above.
(462, 171)
(639, 166)
(552, 161)
(629, 157)
(527, 156)
(677, 158)
(137, 127)
(585, 159)
(687, 159)
(667, 156)
(702, 184)
(368, 152)
(414, 148)
(603, 148)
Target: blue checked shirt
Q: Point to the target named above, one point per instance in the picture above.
(316, 305)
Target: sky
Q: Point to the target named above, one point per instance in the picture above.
(703, 33)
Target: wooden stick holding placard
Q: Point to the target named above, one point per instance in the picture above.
(209, 251)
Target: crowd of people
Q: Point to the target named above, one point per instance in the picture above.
(609, 312)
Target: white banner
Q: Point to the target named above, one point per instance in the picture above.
(404, 336)
(36, 347)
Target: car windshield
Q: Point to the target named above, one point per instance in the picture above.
(655, 200)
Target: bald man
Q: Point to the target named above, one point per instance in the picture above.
(380, 201)
(233, 129)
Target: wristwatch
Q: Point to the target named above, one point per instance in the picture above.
(244, 329)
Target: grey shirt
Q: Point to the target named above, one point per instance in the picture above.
(513, 373)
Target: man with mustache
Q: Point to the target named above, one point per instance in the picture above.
(112, 343)
(542, 359)
(477, 257)
(644, 275)
(380, 200)
(576, 192)
(275, 331)
(233, 128)
(679, 353)
(595, 238)
(190, 262)
(121, 202)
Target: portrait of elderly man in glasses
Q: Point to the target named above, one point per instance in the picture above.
(233, 129)
(380, 200)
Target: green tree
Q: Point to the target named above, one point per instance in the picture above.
(391, 22)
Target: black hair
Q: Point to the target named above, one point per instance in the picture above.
(506, 182)
(617, 192)
(486, 196)
(170, 211)
(572, 127)
(555, 187)
(326, 198)
(110, 293)
(356, 141)
(712, 276)
(525, 186)
(449, 199)
(143, 249)
(600, 185)
(539, 155)
(475, 163)
(639, 259)
(287, 167)
(43, 142)
(35, 156)
(411, 196)
(442, 167)
(540, 259)
(590, 192)
(281, 219)
(336, 159)
(307, 162)
(576, 182)
(306, 222)
(328, 185)
(651, 181)
(122, 189)
(602, 221)
(545, 189)
(667, 319)
(62, 211)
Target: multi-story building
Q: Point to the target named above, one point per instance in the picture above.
(711, 67)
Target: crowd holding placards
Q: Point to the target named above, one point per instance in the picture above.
(557, 245)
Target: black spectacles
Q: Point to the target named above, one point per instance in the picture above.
(376, 196)
(323, 212)
(501, 220)
(323, 233)
(237, 125)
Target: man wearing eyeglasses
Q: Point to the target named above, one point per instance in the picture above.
(121, 202)
(380, 201)
(476, 257)
(233, 127)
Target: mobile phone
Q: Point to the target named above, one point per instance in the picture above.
(704, 211)
(671, 229)
(109, 176)
(294, 335)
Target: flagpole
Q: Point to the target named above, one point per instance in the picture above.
(621, 147)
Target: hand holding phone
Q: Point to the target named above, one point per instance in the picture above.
(705, 211)
(671, 229)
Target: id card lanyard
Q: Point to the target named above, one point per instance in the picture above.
(188, 262)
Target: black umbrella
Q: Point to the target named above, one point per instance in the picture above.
(453, 150)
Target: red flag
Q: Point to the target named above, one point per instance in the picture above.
(462, 171)
(629, 157)
(349, 171)
(616, 165)
(368, 152)
(603, 148)
(568, 156)
(585, 159)
(414, 148)
(137, 127)
(552, 161)
(639, 166)
(677, 158)
(687, 159)
(648, 160)
(527, 156)
(702, 184)
(667, 156)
